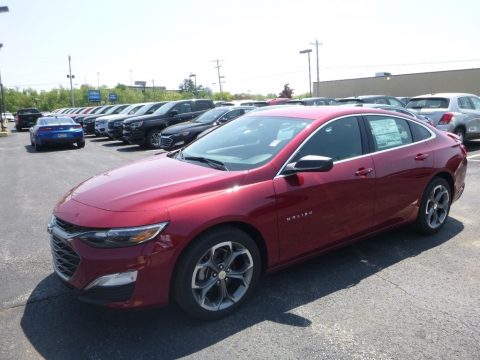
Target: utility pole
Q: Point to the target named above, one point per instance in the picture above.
(98, 80)
(219, 76)
(316, 43)
(70, 76)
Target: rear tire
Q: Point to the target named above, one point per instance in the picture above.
(38, 147)
(461, 134)
(434, 208)
(18, 128)
(153, 139)
(81, 144)
(217, 273)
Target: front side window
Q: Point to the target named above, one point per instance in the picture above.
(388, 132)
(183, 108)
(476, 102)
(339, 140)
(395, 102)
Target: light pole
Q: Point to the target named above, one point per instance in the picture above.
(70, 76)
(194, 76)
(2, 103)
(98, 80)
(316, 43)
(308, 51)
(131, 77)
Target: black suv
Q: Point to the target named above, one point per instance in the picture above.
(146, 129)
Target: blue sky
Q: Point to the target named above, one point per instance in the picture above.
(258, 41)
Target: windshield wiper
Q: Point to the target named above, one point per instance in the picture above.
(212, 163)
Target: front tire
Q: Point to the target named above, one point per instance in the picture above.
(217, 273)
(153, 139)
(81, 144)
(38, 147)
(434, 208)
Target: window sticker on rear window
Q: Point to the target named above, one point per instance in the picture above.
(386, 133)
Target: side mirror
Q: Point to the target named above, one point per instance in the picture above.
(309, 163)
(173, 113)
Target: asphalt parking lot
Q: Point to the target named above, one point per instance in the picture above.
(395, 296)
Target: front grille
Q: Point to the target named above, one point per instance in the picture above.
(166, 141)
(65, 259)
(110, 125)
(68, 227)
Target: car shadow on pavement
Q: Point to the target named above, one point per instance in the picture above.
(52, 148)
(61, 327)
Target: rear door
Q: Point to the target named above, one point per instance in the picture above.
(473, 128)
(403, 165)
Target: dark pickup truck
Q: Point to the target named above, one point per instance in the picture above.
(26, 118)
(146, 129)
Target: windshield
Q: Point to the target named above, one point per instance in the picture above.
(165, 108)
(246, 143)
(118, 110)
(428, 103)
(134, 109)
(97, 110)
(211, 115)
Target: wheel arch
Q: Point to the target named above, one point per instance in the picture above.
(242, 226)
(449, 179)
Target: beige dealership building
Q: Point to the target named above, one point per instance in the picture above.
(466, 81)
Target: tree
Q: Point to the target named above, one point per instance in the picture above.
(286, 92)
(187, 86)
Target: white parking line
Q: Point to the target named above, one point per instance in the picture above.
(471, 157)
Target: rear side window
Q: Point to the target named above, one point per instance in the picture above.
(428, 103)
(389, 132)
(203, 105)
(419, 133)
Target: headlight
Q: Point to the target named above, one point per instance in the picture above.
(136, 124)
(121, 237)
(185, 133)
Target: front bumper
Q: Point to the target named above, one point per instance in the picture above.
(82, 267)
(115, 133)
(134, 136)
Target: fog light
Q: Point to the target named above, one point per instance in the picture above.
(116, 279)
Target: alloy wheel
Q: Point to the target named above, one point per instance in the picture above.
(436, 210)
(222, 276)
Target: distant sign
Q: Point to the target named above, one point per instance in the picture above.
(94, 96)
(141, 83)
(112, 97)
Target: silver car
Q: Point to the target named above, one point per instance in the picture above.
(454, 112)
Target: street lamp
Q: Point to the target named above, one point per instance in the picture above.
(308, 51)
(70, 76)
(194, 76)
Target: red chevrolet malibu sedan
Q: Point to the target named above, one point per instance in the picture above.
(200, 225)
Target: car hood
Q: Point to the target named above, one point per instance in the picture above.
(113, 117)
(175, 129)
(146, 117)
(153, 183)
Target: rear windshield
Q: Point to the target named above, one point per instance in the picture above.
(428, 103)
(27, 111)
(57, 121)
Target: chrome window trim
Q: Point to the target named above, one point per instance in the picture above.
(418, 122)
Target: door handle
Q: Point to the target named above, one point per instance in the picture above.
(421, 157)
(363, 171)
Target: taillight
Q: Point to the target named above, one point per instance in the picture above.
(45, 129)
(76, 126)
(446, 118)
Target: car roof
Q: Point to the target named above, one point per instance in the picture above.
(446, 95)
(323, 113)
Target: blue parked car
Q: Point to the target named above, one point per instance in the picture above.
(56, 130)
